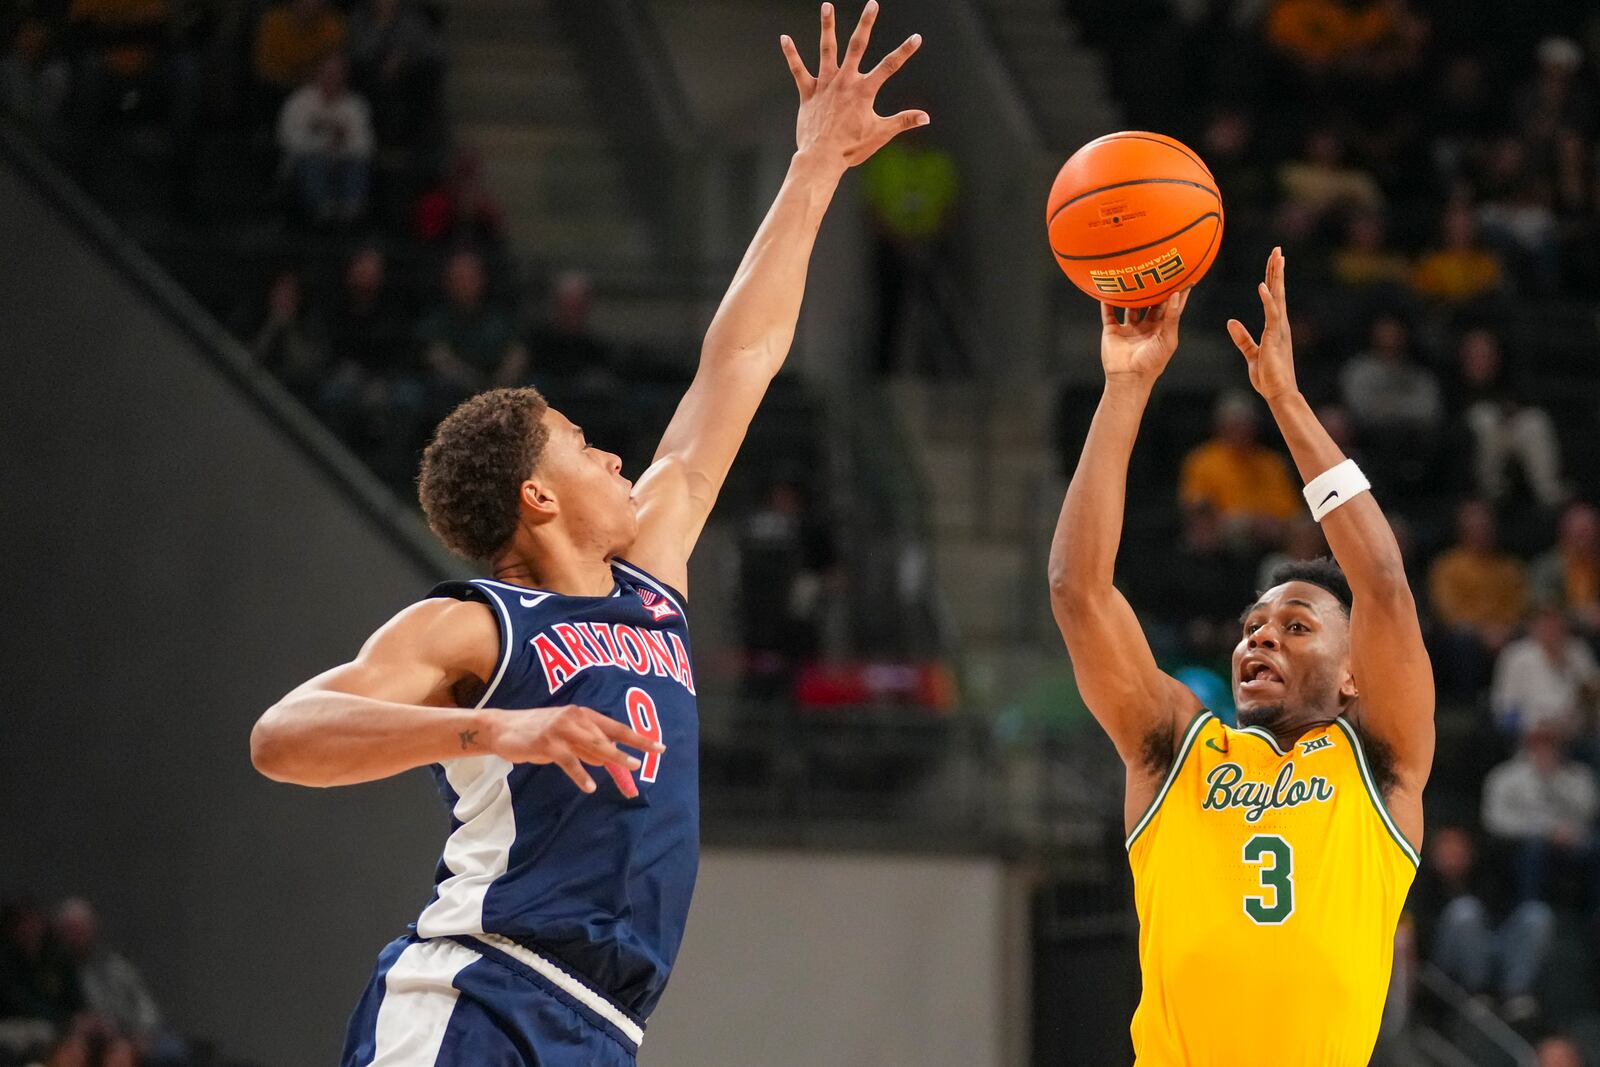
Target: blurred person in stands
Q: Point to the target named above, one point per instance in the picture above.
(115, 994)
(1478, 595)
(292, 40)
(1559, 1051)
(1467, 932)
(1319, 34)
(1396, 402)
(1365, 260)
(1462, 269)
(39, 994)
(1575, 206)
(460, 209)
(468, 343)
(1547, 677)
(1321, 181)
(1568, 575)
(787, 562)
(1461, 113)
(1504, 427)
(565, 343)
(1522, 225)
(290, 341)
(1187, 603)
(1540, 807)
(911, 191)
(35, 82)
(1302, 541)
(325, 131)
(1246, 483)
(134, 56)
(374, 398)
(1230, 152)
(397, 60)
(1386, 390)
(1555, 99)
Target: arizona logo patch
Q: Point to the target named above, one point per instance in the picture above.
(657, 605)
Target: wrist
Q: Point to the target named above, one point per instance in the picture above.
(1285, 400)
(1130, 386)
(486, 726)
(814, 165)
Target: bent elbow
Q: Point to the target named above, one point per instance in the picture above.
(268, 752)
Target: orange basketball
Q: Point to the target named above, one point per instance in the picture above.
(1134, 217)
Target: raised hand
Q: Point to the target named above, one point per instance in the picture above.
(836, 104)
(569, 737)
(1138, 350)
(1272, 360)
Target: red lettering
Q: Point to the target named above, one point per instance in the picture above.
(638, 661)
(605, 641)
(680, 655)
(558, 669)
(575, 647)
(642, 715)
(660, 655)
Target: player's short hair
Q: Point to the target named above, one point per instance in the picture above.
(1324, 572)
(471, 471)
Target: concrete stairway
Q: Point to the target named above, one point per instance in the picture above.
(517, 95)
(1063, 82)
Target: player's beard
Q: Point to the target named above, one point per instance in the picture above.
(1266, 716)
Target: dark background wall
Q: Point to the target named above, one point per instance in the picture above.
(171, 564)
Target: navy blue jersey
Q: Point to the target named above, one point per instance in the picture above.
(597, 881)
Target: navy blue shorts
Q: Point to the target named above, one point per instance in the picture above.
(463, 1002)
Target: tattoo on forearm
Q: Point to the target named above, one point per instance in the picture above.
(469, 738)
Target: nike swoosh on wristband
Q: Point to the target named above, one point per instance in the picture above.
(1329, 497)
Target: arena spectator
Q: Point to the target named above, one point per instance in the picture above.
(1185, 603)
(290, 342)
(460, 209)
(1385, 389)
(1461, 270)
(1568, 575)
(325, 131)
(1468, 935)
(1319, 33)
(1245, 483)
(1554, 99)
(1478, 594)
(397, 60)
(469, 344)
(35, 82)
(911, 190)
(1504, 427)
(1540, 805)
(293, 38)
(1365, 260)
(374, 398)
(36, 980)
(114, 992)
(1559, 1051)
(1522, 226)
(1302, 540)
(787, 561)
(566, 343)
(1323, 180)
(1549, 676)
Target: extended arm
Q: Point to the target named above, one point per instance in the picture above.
(1387, 656)
(1116, 671)
(395, 707)
(749, 337)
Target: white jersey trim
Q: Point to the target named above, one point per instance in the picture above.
(419, 997)
(567, 983)
(505, 642)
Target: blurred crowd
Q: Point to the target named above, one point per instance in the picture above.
(67, 999)
(1432, 171)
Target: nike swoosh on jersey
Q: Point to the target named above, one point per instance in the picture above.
(530, 601)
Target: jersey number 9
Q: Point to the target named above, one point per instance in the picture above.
(642, 717)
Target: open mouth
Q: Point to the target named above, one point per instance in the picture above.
(1257, 676)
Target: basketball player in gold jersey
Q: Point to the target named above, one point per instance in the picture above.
(1270, 862)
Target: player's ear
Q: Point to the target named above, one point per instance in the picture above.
(538, 501)
(1347, 685)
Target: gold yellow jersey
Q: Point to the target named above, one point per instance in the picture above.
(1268, 886)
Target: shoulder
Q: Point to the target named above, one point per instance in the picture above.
(445, 631)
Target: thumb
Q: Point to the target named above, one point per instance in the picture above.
(1241, 338)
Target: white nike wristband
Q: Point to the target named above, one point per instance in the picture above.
(1337, 485)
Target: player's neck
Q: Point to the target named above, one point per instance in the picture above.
(558, 569)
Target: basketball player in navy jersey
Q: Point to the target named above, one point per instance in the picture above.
(560, 904)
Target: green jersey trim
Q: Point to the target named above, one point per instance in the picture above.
(1189, 736)
(1372, 791)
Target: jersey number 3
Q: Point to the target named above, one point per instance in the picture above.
(642, 716)
(1276, 860)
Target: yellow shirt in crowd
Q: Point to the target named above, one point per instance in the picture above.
(1238, 482)
(1478, 588)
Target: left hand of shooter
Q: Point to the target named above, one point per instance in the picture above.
(1272, 361)
(837, 121)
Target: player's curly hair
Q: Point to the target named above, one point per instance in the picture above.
(1324, 572)
(479, 456)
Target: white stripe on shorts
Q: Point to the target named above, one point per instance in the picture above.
(568, 984)
(418, 999)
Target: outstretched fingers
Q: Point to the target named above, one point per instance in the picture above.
(803, 80)
(1241, 338)
(893, 61)
(828, 53)
(858, 39)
